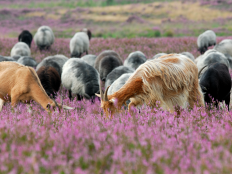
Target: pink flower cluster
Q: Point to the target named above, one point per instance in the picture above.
(85, 141)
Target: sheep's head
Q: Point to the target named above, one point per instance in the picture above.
(53, 106)
(107, 105)
(88, 32)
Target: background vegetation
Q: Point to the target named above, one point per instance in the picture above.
(117, 18)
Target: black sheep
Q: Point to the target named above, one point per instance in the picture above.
(25, 37)
(106, 62)
(50, 80)
(216, 84)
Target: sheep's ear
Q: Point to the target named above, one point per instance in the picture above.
(67, 107)
(113, 101)
(98, 95)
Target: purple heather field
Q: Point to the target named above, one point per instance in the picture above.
(83, 140)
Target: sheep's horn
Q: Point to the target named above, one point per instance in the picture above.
(105, 95)
(56, 104)
(101, 93)
(201, 70)
(61, 100)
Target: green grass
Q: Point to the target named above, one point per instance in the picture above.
(74, 4)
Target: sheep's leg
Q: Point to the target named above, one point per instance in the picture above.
(14, 99)
(1, 104)
(195, 96)
(129, 107)
(178, 110)
(92, 100)
(79, 97)
(87, 52)
(53, 95)
(131, 104)
(209, 106)
(216, 104)
(70, 95)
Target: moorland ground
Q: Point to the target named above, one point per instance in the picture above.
(131, 18)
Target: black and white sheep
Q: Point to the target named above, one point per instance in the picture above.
(135, 59)
(116, 73)
(106, 61)
(26, 37)
(212, 56)
(90, 59)
(56, 62)
(16, 58)
(79, 44)
(88, 32)
(114, 87)
(205, 40)
(80, 78)
(27, 61)
(117, 84)
(216, 84)
(20, 49)
(44, 37)
(158, 55)
(4, 58)
(50, 80)
(189, 55)
(225, 47)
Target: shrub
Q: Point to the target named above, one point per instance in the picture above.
(169, 33)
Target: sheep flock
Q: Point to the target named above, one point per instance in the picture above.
(85, 75)
(142, 105)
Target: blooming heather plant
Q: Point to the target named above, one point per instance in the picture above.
(84, 141)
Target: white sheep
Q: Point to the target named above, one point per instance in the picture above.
(20, 49)
(116, 73)
(90, 59)
(205, 40)
(225, 47)
(44, 37)
(158, 55)
(189, 55)
(79, 44)
(114, 87)
(80, 78)
(135, 59)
